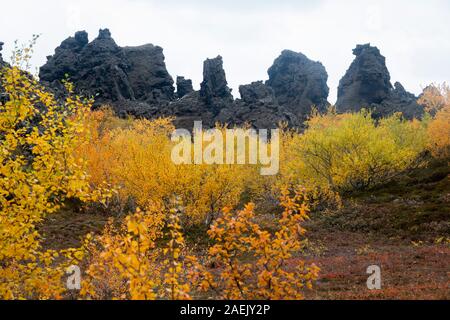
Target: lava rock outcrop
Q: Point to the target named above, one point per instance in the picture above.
(257, 92)
(214, 83)
(147, 74)
(205, 104)
(214, 90)
(135, 81)
(367, 84)
(299, 83)
(1, 57)
(184, 87)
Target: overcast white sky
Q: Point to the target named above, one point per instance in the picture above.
(414, 35)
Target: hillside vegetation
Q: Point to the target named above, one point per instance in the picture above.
(82, 187)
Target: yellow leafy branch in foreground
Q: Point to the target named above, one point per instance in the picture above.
(174, 275)
(239, 242)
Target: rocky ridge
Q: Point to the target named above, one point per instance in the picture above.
(299, 83)
(135, 81)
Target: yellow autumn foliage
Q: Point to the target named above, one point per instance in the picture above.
(435, 97)
(351, 151)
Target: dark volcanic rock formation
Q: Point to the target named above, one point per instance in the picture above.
(257, 107)
(399, 100)
(257, 92)
(214, 89)
(188, 109)
(135, 81)
(367, 84)
(214, 83)
(295, 85)
(299, 83)
(1, 58)
(148, 75)
(205, 104)
(184, 87)
(132, 79)
(65, 60)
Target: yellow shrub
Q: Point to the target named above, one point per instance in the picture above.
(351, 152)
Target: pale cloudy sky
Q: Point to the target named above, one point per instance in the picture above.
(414, 35)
